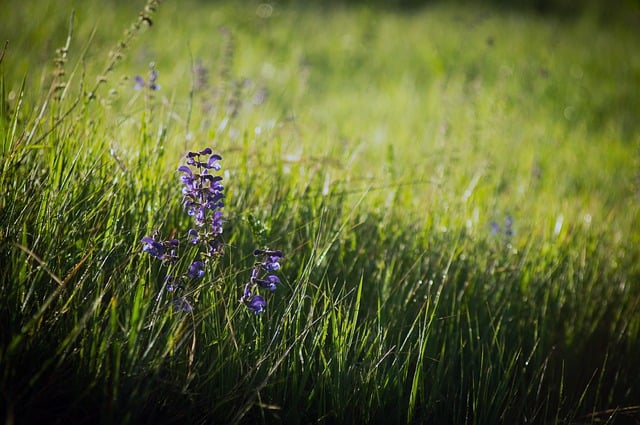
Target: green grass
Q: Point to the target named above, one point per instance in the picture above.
(375, 147)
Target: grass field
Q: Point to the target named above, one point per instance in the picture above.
(455, 190)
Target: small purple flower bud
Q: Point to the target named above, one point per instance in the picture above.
(170, 285)
(181, 304)
(173, 244)
(200, 216)
(139, 83)
(196, 270)
(153, 248)
(255, 273)
(272, 264)
(213, 162)
(495, 228)
(153, 77)
(508, 226)
(247, 292)
(257, 304)
(194, 235)
(216, 223)
(271, 282)
(215, 247)
(186, 170)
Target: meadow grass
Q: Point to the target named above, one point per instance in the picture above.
(455, 190)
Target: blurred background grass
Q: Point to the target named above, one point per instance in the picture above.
(521, 91)
(376, 142)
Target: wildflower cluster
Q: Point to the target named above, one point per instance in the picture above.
(203, 195)
(203, 200)
(164, 251)
(262, 277)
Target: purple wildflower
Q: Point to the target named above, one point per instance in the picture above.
(271, 259)
(508, 226)
(162, 250)
(507, 231)
(196, 270)
(139, 83)
(270, 282)
(194, 235)
(257, 304)
(153, 248)
(181, 304)
(153, 78)
(216, 223)
(170, 283)
(204, 197)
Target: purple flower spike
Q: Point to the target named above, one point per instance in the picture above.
(203, 195)
(495, 227)
(260, 277)
(203, 192)
(153, 77)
